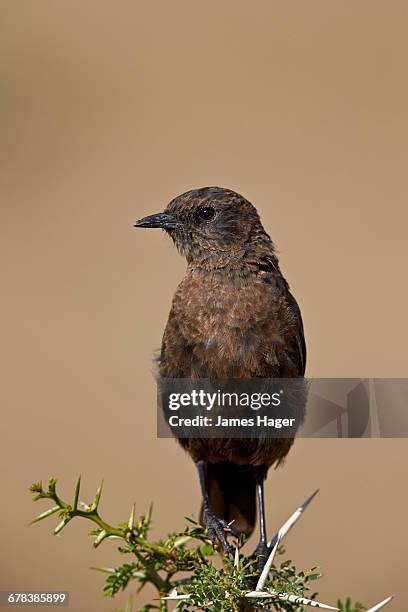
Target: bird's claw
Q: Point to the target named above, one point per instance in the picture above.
(261, 553)
(217, 529)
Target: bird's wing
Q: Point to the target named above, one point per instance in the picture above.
(175, 355)
(299, 332)
(285, 322)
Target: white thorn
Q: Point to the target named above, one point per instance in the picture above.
(263, 577)
(173, 595)
(306, 602)
(380, 605)
(259, 594)
(236, 558)
(287, 597)
(292, 520)
(276, 540)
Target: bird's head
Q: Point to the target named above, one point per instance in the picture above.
(210, 226)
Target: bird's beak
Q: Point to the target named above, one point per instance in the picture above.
(162, 220)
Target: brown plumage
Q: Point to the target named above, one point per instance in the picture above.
(232, 316)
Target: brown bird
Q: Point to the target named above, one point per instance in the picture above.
(232, 316)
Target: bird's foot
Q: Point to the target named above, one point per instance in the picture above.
(217, 529)
(261, 553)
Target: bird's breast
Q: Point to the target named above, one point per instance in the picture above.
(224, 326)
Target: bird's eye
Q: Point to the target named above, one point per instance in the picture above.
(207, 213)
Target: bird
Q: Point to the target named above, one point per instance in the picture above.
(232, 316)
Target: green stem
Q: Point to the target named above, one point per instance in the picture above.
(163, 586)
(94, 516)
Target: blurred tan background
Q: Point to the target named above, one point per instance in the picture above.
(110, 109)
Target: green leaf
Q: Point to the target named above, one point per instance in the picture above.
(120, 579)
(207, 550)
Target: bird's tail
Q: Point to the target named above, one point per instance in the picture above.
(232, 494)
